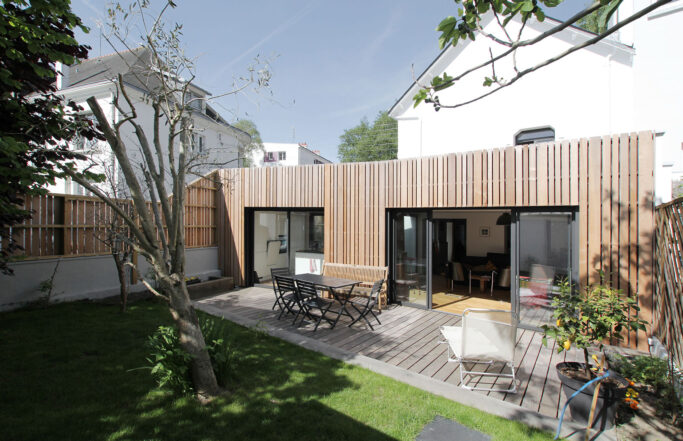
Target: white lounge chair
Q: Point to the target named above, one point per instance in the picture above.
(486, 336)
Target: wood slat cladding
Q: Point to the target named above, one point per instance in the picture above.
(608, 179)
(70, 225)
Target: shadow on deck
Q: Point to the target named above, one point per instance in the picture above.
(408, 338)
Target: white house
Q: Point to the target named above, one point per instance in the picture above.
(215, 143)
(628, 83)
(277, 153)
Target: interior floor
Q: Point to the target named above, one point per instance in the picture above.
(458, 298)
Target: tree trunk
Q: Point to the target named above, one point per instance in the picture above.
(123, 283)
(192, 340)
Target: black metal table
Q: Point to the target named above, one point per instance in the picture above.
(331, 284)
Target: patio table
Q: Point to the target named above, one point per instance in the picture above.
(331, 284)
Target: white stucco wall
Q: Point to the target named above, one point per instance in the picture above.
(658, 101)
(604, 89)
(90, 277)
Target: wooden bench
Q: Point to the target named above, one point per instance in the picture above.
(368, 274)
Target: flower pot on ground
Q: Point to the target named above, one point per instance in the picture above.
(586, 319)
(608, 397)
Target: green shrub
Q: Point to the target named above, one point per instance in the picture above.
(171, 364)
(221, 351)
(643, 369)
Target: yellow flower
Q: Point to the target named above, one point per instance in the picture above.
(567, 345)
(559, 323)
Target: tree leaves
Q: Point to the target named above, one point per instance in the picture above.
(365, 142)
(33, 37)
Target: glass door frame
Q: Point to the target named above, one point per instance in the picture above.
(392, 215)
(514, 251)
(249, 233)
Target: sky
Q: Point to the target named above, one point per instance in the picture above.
(332, 62)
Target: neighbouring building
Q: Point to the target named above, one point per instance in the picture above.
(621, 84)
(277, 154)
(215, 143)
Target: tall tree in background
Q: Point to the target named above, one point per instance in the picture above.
(365, 142)
(468, 25)
(256, 145)
(34, 36)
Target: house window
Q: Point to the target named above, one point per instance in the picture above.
(281, 156)
(198, 142)
(82, 144)
(269, 157)
(538, 134)
(316, 161)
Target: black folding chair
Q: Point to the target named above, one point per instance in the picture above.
(278, 296)
(364, 305)
(311, 301)
(289, 297)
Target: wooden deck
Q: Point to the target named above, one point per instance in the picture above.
(408, 338)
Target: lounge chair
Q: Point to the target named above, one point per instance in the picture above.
(486, 336)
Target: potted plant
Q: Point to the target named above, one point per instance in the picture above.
(587, 319)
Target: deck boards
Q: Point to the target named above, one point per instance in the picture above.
(409, 338)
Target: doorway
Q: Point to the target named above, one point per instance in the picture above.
(283, 238)
(546, 254)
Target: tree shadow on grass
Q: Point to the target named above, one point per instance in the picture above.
(78, 373)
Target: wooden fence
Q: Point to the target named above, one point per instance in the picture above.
(668, 299)
(70, 225)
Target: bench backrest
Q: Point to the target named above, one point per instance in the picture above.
(356, 272)
(368, 274)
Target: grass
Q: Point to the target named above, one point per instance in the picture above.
(77, 372)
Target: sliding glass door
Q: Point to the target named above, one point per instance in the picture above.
(290, 239)
(544, 252)
(410, 258)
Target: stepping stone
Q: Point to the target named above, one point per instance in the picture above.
(443, 429)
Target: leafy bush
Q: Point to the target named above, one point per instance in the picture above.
(644, 369)
(171, 364)
(220, 350)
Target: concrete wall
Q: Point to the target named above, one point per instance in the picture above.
(90, 277)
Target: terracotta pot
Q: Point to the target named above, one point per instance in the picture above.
(580, 406)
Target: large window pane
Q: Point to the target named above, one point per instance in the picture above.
(410, 258)
(270, 243)
(544, 260)
(287, 239)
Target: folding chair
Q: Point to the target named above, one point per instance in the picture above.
(367, 303)
(288, 296)
(278, 296)
(486, 336)
(310, 300)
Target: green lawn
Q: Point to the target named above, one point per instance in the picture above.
(71, 372)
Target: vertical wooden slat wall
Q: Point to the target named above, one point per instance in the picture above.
(70, 225)
(608, 179)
